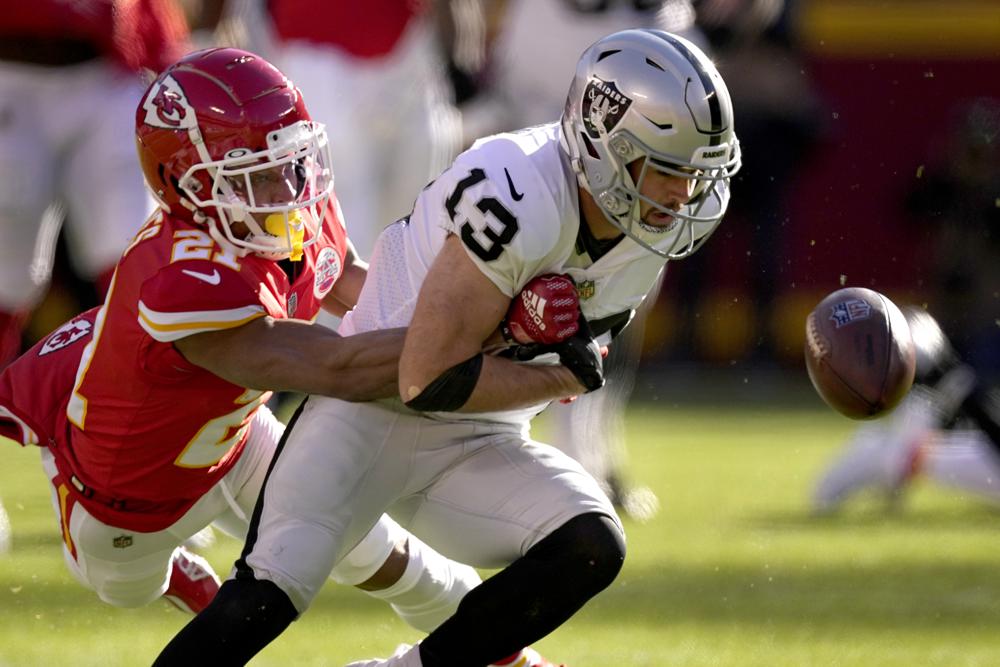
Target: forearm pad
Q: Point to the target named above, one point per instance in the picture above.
(450, 390)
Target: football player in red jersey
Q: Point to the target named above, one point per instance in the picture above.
(151, 409)
(69, 82)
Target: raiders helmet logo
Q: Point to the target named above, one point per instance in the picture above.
(166, 106)
(603, 106)
(66, 335)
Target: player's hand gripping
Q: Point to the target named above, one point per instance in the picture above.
(571, 339)
(581, 354)
(547, 311)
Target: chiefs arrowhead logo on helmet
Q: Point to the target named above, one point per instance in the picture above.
(166, 106)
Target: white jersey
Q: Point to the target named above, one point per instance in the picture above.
(475, 486)
(513, 199)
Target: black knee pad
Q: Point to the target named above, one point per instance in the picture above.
(254, 602)
(589, 547)
(532, 596)
(243, 617)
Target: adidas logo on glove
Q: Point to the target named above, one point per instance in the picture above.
(546, 311)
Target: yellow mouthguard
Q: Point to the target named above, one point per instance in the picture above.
(294, 231)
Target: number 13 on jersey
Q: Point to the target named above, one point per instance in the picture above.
(487, 228)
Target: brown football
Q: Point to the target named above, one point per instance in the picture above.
(859, 352)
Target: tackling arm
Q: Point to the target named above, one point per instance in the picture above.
(294, 355)
(457, 310)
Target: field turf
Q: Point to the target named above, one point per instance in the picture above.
(733, 571)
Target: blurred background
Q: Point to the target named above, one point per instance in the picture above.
(870, 135)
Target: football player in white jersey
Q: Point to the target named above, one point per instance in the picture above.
(529, 77)
(947, 431)
(636, 173)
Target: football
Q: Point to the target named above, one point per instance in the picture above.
(859, 352)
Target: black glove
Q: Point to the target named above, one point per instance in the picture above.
(580, 353)
(583, 357)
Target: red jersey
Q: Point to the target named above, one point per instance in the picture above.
(363, 29)
(35, 388)
(149, 432)
(136, 33)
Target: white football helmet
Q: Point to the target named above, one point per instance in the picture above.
(651, 95)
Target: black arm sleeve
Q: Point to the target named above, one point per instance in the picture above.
(450, 390)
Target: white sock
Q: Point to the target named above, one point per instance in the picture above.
(5, 538)
(410, 657)
(965, 460)
(430, 589)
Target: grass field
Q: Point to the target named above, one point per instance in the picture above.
(732, 572)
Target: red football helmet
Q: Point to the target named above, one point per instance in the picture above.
(225, 138)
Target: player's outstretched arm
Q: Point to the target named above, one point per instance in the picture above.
(294, 355)
(458, 309)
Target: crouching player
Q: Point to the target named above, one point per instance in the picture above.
(150, 410)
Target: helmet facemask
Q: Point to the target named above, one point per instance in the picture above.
(708, 173)
(278, 194)
(653, 101)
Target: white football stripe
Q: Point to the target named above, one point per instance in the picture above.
(28, 436)
(168, 327)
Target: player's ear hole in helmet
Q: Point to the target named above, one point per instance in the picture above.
(226, 140)
(652, 96)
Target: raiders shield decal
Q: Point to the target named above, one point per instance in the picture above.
(603, 106)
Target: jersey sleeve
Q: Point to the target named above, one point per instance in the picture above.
(34, 388)
(494, 200)
(186, 298)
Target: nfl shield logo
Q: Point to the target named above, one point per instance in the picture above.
(122, 542)
(585, 289)
(848, 311)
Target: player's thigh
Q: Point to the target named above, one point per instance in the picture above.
(124, 567)
(103, 184)
(493, 505)
(318, 501)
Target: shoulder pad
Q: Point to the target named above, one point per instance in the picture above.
(191, 297)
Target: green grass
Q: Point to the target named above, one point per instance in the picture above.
(732, 572)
